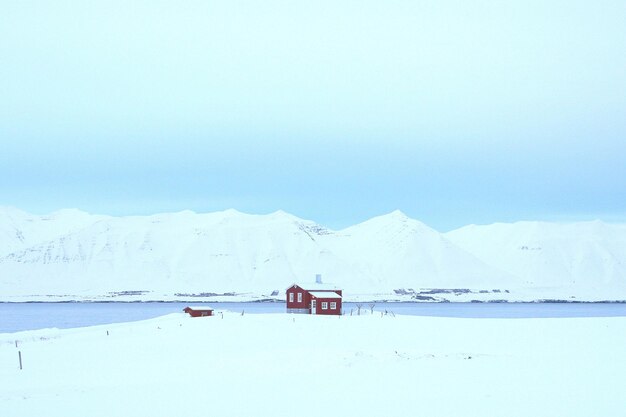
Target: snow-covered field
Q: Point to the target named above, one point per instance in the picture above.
(297, 365)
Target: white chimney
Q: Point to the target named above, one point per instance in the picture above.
(318, 278)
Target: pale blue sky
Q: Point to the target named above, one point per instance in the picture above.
(454, 112)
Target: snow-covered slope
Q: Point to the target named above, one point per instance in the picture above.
(367, 365)
(217, 252)
(19, 230)
(400, 251)
(587, 257)
(73, 253)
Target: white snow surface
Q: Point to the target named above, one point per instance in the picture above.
(74, 255)
(285, 365)
(324, 294)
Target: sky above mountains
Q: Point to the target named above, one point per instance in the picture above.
(454, 112)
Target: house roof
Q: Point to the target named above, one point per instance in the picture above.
(324, 294)
(199, 308)
(313, 286)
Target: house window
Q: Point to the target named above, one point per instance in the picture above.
(324, 305)
(299, 297)
(333, 306)
(291, 297)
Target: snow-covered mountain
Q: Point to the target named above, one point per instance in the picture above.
(71, 253)
(587, 257)
(398, 251)
(20, 230)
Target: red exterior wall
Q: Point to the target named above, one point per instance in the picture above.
(306, 298)
(328, 312)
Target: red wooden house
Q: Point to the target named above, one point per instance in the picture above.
(198, 311)
(314, 298)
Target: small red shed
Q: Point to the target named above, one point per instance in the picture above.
(198, 311)
(314, 298)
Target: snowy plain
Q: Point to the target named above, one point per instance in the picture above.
(284, 365)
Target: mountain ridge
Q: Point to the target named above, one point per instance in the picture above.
(70, 251)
